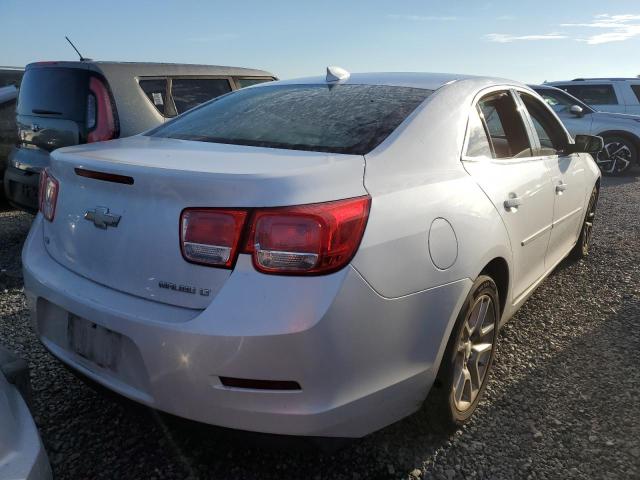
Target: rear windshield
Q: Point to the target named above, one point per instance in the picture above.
(351, 119)
(54, 92)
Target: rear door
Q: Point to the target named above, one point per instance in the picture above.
(567, 177)
(498, 154)
(52, 107)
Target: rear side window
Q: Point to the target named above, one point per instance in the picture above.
(350, 119)
(191, 92)
(636, 90)
(156, 91)
(247, 82)
(54, 92)
(550, 133)
(504, 125)
(593, 94)
(478, 144)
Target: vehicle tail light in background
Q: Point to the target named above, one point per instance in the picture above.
(48, 194)
(101, 121)
(307, 239)
(211, 236)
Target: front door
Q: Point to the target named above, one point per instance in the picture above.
(499, 157)
(567, 178)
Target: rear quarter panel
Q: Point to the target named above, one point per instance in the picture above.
(414, 177)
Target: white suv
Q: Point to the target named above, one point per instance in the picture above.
(621, 95)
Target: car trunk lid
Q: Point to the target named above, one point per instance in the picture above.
(149, 181)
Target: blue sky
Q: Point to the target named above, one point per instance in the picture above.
(529, 41)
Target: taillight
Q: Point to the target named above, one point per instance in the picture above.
(307, 239)
(101, 121)
(48, 194)
(311, 239)
(211, 236)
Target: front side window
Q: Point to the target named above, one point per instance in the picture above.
(503, 123)
(351, 119)
(560, 101)
(593, 94)
(636, 90)
(191, 92)
(550, 133)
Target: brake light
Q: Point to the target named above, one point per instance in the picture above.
(310, 239)
(48, 194)
(101, 121)
(211, 236)
(307, 239)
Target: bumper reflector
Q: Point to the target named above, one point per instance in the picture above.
(259, 384)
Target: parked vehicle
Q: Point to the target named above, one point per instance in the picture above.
(22, 456)
(618, 95)
(621, 132)
(310, 257)
(70, 103)
(8, 134)
(11, 76)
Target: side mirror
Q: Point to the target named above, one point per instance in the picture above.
(585, 144)
(577, 110)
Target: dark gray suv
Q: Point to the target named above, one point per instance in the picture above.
(68, 103)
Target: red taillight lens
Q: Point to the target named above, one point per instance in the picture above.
(48, 195)
(311, 239)
(307, 239)
(211, 236)
(100, 116)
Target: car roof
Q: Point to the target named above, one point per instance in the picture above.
(425, 80)
(152, 68)
(597, 79)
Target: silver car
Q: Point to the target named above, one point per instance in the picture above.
(313, 256)
(621, 132)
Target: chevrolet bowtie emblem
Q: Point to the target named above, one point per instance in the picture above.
(101, 217)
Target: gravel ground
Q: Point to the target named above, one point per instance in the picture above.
(562, 401)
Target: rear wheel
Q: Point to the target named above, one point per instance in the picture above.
(467, 361)
(618, 155)
(581, 248)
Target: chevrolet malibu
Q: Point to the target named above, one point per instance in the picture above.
(314, 257)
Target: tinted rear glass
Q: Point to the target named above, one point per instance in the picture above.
(350, 119)
(54, 92)
(593, 94)
(191, 92)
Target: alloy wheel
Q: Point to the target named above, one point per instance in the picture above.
(588, 221)
(615, 157)
(475, 344)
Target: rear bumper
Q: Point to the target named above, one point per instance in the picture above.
(22, 455)
(22, 176)
(362, 361)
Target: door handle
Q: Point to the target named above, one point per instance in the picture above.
(513, 202)
(561, 187)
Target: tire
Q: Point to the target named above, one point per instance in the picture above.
(448, 406)
(581, 248)
(618, 155)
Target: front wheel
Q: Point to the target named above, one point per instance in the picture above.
(618, 155)
(467, 361)
(581, 249)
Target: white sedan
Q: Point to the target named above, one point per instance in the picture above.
(310, 257)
